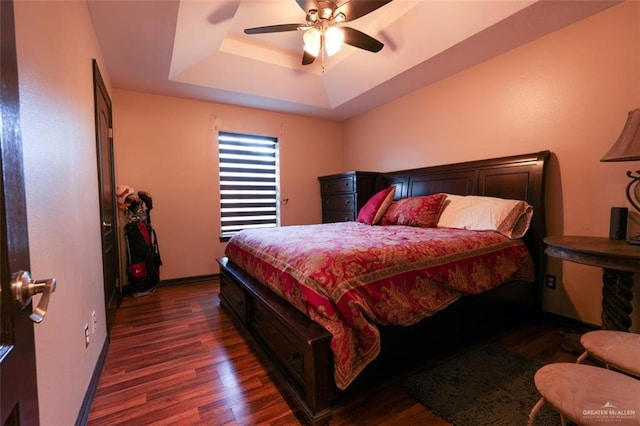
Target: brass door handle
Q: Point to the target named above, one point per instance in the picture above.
(23, 287)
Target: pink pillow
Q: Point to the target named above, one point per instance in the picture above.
(372, 211)
(422, 211)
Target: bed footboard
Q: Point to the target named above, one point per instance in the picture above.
(298, 348)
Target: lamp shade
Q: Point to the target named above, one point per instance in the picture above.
(627, 147)
(312, 41)
(333, 40)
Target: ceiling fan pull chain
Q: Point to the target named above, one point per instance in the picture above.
(322, 53)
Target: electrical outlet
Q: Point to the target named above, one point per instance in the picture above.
(550, 281)
(86, 335)
(94, 322)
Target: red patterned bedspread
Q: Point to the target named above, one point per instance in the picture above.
(348, 276)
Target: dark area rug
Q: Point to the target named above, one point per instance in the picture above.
(486, 385)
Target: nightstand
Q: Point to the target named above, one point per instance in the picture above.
(344, 194)
(619, 261)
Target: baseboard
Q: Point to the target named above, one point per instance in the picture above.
(188, 280)
(85, 408)
(185, 280)
(571, 323)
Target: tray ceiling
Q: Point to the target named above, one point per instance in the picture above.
(197, 49)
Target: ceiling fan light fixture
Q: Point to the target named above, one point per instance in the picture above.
(312, 42)
(334, 37)
(321, 33)
(312, 16)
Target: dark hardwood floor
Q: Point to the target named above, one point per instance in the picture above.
(175, 357)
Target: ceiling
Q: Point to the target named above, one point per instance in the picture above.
(197, 49)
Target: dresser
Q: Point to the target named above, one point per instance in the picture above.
(344, 194)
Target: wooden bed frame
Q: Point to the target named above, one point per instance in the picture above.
(299, 349)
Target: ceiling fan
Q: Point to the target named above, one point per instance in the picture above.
(321, 30)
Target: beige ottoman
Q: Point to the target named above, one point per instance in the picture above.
(617, 349)
(588, 395)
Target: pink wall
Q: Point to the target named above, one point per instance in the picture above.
(168, 147)
(55, 47)
(568, 92)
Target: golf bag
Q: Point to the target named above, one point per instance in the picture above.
(143, 256)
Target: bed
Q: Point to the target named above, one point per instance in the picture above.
(308, 312)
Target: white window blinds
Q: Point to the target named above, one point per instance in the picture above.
(248, 182)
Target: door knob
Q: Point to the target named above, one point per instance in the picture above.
(106, 225)
(23, 287)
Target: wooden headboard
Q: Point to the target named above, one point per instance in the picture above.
(519, 177)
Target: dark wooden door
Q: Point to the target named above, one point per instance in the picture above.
(18, 386)
(108, 206)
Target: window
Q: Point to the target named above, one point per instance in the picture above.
(249, 183)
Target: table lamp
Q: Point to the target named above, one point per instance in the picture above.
(627, 148)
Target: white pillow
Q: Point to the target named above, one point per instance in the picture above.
(509, 217)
